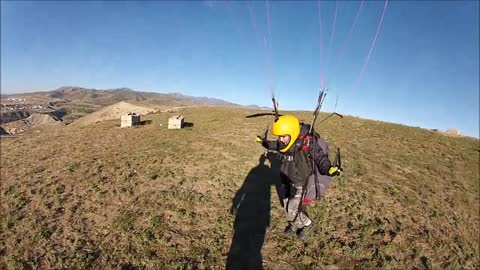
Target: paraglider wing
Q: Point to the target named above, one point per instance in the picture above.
(337, 114)
(261, 114)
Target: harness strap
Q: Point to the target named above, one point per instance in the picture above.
(305, 142)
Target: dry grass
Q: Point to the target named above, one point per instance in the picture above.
(102, 197)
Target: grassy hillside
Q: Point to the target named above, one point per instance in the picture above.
(102, 197)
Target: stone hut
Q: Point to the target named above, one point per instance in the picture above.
(454, 132)
(129, 120)
(176, 122)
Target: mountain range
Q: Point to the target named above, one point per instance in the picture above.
(104, 97)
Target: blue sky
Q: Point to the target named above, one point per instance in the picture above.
(423, 71)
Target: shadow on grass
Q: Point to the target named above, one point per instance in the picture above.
(251, 206)
(187, 124)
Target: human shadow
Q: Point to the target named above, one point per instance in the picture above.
(251, 207)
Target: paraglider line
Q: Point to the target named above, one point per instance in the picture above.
(373, 45)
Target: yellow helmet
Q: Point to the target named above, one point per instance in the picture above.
(287, 125)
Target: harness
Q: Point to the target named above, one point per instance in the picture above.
(287, 158)
(305, 142)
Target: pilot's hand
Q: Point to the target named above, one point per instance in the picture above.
(334, 171)
(260, 140)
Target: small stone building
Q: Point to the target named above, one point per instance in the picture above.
(452, 131)
(176, 122)
(129, 120)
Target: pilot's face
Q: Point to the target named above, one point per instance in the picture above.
(284, 139)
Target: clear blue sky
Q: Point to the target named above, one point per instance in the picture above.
(423, 71)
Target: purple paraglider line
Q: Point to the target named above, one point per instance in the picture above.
(362, 71)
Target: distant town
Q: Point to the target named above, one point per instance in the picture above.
(12, 108)
(22, 107)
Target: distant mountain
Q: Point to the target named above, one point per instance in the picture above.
(111, 96)
(79, 94)
(104, 97)
(203, 100)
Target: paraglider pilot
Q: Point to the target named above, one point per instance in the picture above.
(297, 154)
